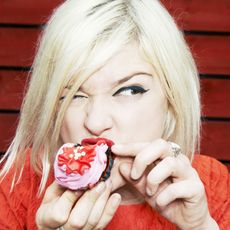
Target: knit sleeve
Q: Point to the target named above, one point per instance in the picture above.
(13, 203)
(216, 179)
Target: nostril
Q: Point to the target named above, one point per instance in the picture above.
(96, 126)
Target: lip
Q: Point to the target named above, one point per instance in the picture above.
(93, 141)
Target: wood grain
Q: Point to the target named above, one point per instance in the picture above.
(215, 97)
(200, 15)
(8, 123)
(18, 46)
(12, 89)
(190, 15)
(212, 53)
(215, 139)
(26, 12)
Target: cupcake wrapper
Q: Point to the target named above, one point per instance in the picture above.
(110, 161)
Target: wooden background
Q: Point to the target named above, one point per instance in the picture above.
(207, 29)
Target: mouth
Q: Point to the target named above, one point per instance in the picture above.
(93, 141)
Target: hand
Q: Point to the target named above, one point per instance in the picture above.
(92, 209)
(169, 184)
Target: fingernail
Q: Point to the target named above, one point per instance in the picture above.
(149, 191)
(116, 200)
(100, 187)
(134, 174)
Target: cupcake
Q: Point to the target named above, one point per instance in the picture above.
(82, 166)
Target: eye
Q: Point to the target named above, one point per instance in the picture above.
(130, 90)
(79, 97)
(74, 97)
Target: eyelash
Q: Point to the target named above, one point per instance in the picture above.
(74, 97)
(135, 90)
(79, 96)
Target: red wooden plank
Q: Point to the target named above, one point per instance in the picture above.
(26, 12)
(191, 15)
(17, 46)
(215, 139)
(12, 87)
(212, 52)
(215, 97)
(8, 124)
(213, 15)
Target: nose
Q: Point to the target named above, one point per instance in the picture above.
(98, 118)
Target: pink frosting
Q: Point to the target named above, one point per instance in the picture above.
(90, 177)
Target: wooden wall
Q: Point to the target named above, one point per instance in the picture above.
(207, 29)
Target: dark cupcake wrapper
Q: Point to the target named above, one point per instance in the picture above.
(110, 161)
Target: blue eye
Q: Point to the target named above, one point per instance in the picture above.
(130, 90)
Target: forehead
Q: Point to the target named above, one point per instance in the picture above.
(128, 61)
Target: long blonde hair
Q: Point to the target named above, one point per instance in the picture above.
(78, 39)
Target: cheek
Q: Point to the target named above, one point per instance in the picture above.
(71, 126)
(151, 125)
(144, 122)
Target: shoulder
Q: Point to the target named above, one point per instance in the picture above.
(14, 200)
(214, 175)
(21, 188)
(205, 163)
(216, 179)
(22, 182)
(210, 169)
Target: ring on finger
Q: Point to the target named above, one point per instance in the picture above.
(175, 148)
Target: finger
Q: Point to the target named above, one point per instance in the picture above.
(173, 167)
(57, 213)
(128, 150)
(191, 190)
(52, 192)
(156, 150)
(98, 208)
(80, 213)
(139, 185)
(110, 209)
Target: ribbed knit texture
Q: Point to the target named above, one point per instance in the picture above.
(18, 208)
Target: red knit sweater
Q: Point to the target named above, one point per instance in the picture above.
(18, 208)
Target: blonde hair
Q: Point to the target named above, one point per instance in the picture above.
(78, 39)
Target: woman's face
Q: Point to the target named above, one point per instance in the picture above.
(123, 102)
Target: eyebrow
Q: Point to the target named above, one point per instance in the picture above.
(124, 79)
(131, 76)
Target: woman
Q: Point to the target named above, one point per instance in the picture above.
(119, 70)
